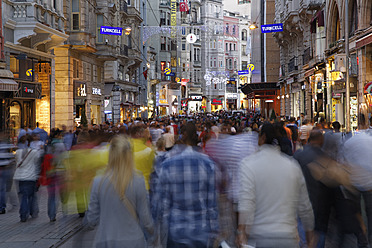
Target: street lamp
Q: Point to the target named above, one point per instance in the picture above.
(253, 26)
(128, 30)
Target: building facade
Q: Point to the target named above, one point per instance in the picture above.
(313, 59)
(31, 32)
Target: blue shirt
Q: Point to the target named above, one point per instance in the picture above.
(187, 188)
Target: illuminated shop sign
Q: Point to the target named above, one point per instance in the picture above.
(80, 89)
(197, 98)
(269, 28)
(216, 102)
(96, 91)
(111, 30)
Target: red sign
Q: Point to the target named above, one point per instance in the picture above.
(216, 102)
(162, 64)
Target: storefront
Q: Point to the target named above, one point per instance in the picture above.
(232, 101)
(295, 99)
(195, 103)
(217, 104)
(80, 101)
(95, 107)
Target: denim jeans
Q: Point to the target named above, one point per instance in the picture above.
(367, 197)
(27, 191)
(55, 186)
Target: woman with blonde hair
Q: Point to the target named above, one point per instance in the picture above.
(119, 201)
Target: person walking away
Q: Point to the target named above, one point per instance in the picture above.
(27, 173)
(54, 173)
(188, 202)
(169, 139)
(294, 129)
(6, 169)
(304, 131)
(43, 135)
(118, 202)
(273, 192)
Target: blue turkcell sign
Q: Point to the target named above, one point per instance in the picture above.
(243, 72)
(270, 28)
(172, 74)
(111, 30)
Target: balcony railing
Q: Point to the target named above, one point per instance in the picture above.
(124, 6)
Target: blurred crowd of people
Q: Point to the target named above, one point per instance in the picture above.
(205, 180)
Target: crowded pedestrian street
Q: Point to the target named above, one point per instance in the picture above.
(186, 123)
(219, 180)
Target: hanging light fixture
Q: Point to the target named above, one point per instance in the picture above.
(128, 30)
(253, 26)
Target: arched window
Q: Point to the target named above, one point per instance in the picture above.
(336, 27)
(244, 34)
(353, 18)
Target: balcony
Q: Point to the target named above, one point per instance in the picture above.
(123, 6)
(134, 13)
(164, 3)
(106, 52)
(35, 24)
(292, 65)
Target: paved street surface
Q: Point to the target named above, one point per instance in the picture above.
(37, 232)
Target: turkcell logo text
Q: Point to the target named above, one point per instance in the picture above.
(269, 28)
(111, 30)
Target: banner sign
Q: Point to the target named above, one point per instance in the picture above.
(111, 30)
(269, 28)
(174, 18)
(244, 72)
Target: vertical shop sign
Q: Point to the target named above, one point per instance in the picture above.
(174, 18)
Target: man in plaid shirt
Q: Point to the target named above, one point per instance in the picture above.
(188, 203)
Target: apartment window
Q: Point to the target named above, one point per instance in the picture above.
(230, 47)
(76, 71)
(183, 67)
(235, 64)
(168, 44)
(129, 2)
(162, 18)
(244, 49)
(220, 86)
(183, 31)
(215, 62)
(99, 24)
(230, 64)
(244, 35)
(75, 12)
(227, 28)
(233, 29)
(211, 64)
(163, 44)
(234, 47)
(221, 63)
(244, 65)
(227, 47)
(183, 45)
(168, 19)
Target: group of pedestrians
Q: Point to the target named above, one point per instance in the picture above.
(204, 180)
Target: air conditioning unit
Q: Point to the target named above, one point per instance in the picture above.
(340, 62)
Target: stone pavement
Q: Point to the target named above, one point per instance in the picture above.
(37, 232)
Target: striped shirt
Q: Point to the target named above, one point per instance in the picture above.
(228, 152)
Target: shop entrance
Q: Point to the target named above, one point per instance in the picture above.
(21, 114)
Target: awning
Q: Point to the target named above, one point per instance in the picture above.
(318, 16)
(108, 89)
(364, 41)
(8, 85)
(253, 87)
